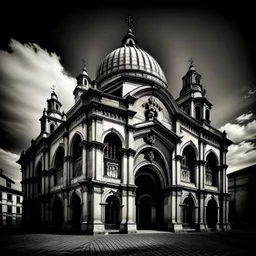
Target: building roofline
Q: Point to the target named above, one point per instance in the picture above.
(246, 170)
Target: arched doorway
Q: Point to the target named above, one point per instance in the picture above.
(188, 213)
(112, 213)
(76, 212)
(57, 214)
(149, 203)
(212, 214)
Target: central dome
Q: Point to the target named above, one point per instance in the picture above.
(130, 60)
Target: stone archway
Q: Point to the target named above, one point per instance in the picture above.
(112, 213)
(188, 213)
(212, 214)
(149, 199)
(76, 212)
(57, 214)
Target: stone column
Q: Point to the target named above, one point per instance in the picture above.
(168, 211)
(97, 225)
(192, 108)
(204, 109)
(131, 211)
(84, 191)
(66, 160)
(123, 225)
(201, 213)
(84, 160)
(66, 224)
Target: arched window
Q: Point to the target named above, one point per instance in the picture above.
(112, 155)
(186, 82)
(188, 164)
(77, 156)
(211, 170)
(59, 162)
(39, 177)
(207, 115)
(197, 78)
(198, 112)
(52, 128)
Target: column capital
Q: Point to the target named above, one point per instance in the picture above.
(178, 158)
(201, 162)
(128, 152)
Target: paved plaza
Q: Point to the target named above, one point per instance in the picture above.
(233, 243)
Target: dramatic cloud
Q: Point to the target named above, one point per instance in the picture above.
(243, 152)
(27, 74)
(241, 132)
(245, 117)
(10, 167)
(241, 155)
(250, 93)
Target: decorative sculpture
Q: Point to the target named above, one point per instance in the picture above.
(151, 108)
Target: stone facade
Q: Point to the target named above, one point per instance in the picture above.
(127, 156)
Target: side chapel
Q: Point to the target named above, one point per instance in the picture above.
(127, 155)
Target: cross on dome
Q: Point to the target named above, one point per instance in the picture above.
(129, 21)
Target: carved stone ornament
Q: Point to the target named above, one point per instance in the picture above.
(150, 156)
(152, 108)
(150, 139)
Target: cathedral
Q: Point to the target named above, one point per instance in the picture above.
(127, 155)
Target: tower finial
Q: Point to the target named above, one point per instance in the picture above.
(53, 88)
(129, 21)
(191, 62)
(84, 63)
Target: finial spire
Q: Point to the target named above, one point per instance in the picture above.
(129, 21)
(53, 88)
(191, 62)
(84, 63)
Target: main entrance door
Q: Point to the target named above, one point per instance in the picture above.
(148, 200)
(212, 214)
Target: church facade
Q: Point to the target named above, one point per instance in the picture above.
(127, 155)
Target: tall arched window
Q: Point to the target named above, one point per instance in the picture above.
(39, 177)
(77, 156)
(112, 155)
(211, 170)
(197, 78)
(198, 112)
(59, 162)
(207, 115)
(188, 164)
(52, 128)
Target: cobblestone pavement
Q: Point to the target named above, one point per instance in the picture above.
(233, 243)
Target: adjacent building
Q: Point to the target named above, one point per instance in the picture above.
(127, 155)
(10, 203)
(242, 188)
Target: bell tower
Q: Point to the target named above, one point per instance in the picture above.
(192, 99)
(52, 117)
(83, 83)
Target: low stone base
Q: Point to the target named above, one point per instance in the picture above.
(96, 228)
(177, 227)
(84, 227)
(131, 228)
(226, 227)
(201, 227)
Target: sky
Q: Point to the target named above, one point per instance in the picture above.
(44, 46)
